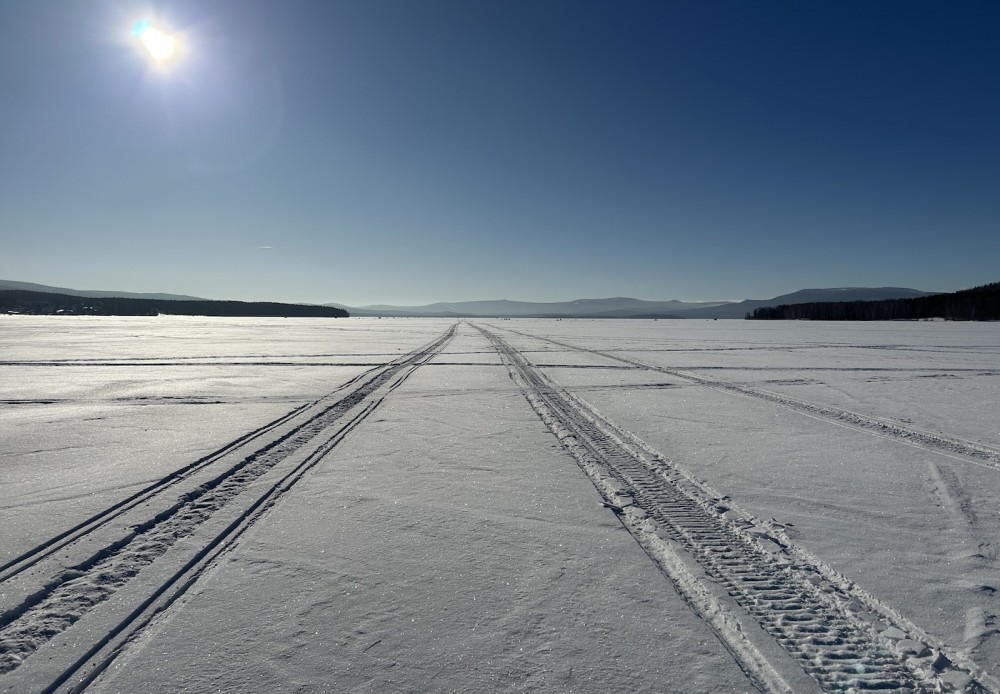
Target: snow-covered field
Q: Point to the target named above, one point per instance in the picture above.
(193, 504)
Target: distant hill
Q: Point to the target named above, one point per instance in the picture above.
(623, 307)
(32, 287)
(48, 303)
(743, 308)
(977, 303)
(616, 307)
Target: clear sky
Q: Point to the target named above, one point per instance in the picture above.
(411, 151)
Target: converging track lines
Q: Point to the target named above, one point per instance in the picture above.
(736, 570)
(981, 455)
(180, 523)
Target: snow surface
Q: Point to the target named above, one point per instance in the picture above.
(450, 542)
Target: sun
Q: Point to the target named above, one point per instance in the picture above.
(160, 46)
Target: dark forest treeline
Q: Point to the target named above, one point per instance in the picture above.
(41, 303)
(978, 303)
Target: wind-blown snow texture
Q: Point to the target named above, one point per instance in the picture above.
(374, 505)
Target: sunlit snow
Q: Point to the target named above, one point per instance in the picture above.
(435, 525)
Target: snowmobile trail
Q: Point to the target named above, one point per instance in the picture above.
(950, 446)
(59, 627)
(294, 420)
(791, 621)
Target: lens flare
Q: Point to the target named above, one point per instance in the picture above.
(160, 46)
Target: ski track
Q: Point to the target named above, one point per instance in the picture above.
(938, 443)
(841, 636)
(71, 592)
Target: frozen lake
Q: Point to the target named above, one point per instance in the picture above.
(545, 505)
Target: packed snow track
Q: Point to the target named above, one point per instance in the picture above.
(950, 445)
(147, 550)
(196, 504)
(838, 634)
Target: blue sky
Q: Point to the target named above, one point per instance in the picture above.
(405, 151)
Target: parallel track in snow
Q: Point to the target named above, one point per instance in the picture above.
(981, 455)
(149, 549)
(295, 419)
(842, 637)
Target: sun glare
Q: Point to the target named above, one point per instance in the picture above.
(161, 47)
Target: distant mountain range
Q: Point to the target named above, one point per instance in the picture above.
(977, 303)
(31, 303)
(93, 294)
(803, 296)
(623, 307)
(616, 307)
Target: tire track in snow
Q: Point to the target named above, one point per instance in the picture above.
(145, 364)
(207, 358)
(979, 454)
(74, 591)
(844, 638)
(294, 419)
